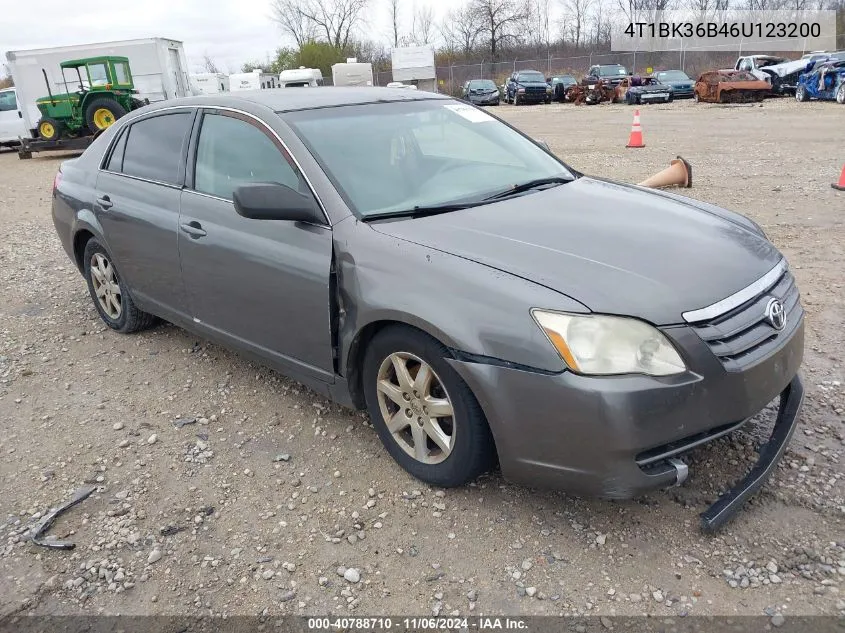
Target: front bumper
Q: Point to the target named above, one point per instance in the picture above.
(484, 100)
(615, 436)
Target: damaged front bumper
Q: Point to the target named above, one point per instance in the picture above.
(731, 501)
(618, 437)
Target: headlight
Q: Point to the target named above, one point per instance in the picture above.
(605, 345)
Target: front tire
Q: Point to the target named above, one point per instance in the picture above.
(102, 113)
(425, 414)
(50, 129)
(110, 295)
(801, 93)
(516, 98)
(840, 94)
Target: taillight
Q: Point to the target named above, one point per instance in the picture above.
(57, 180)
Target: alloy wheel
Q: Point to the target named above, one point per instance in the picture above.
(416, 407)
(106, 286)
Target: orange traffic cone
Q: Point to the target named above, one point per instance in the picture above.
(841, 184)
(636, 138)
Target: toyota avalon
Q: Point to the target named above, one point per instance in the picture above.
(414, 256)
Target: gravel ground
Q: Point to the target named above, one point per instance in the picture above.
(225, 488)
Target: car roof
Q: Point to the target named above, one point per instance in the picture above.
(289, 100)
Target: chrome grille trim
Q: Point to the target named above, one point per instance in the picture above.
(738, 298)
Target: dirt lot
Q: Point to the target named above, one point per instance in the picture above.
(255, 505)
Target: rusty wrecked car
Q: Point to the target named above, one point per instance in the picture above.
(730, 86)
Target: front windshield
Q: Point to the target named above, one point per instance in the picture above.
(672, 75)
(612, 71)
(482, 84)
(98, 74)
(531, 77)
(386, 157)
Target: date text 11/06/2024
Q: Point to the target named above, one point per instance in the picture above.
(690, 30)
(417, 624)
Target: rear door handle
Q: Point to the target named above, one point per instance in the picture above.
(194, 229)
(105, 202)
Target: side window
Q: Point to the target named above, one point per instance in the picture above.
(116, 159)
(121, 71)
(232, 152)
(98, 74)
(154, 147)
(8, 101)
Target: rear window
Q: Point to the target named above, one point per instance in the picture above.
(154, 147)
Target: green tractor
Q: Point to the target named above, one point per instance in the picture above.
(105, 94)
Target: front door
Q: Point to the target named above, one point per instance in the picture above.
(12, 126)
(261, 284)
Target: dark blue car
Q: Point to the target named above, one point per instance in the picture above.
(826, 82)
(682, 85)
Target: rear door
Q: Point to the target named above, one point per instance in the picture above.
(262, 285)
(137, 204)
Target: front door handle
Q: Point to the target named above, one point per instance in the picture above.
(105, 202)
(194, 229)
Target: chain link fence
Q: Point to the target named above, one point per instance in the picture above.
(450, 79)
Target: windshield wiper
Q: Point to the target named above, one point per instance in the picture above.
(423, 211)
(528, 186)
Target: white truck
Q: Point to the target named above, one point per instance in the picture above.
(158, 65)
(300, 77)
(352, 74)
(12, 125)
(780, 72)
(211, 83)
(256, 80)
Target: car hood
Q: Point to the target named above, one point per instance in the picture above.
(617, 249)
(679, 84)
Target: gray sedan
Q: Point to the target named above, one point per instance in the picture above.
(413, 255)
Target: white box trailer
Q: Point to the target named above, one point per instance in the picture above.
(211, 83)
(256, 80)
(158, 66)
(300, 77)
(352, 74)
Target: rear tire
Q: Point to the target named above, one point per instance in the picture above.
(109, 292)
(471, 450)
(102, 113)
(50, 129)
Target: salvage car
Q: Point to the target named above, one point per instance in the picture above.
(681, 83)
(730, 86)
(610, 74)
(637, 90)
(527, 86)
(825, 82)
(481, 92)
(781, 73)
(560, 84)
(410, 254)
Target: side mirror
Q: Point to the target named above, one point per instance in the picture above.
(271, 201)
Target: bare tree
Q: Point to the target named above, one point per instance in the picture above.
(541, 23)
(209, 65)
(461, 29)
(334, 21)
(292, 21)
(422, 26)
(394, 21)
(499, 20)
(577, 11)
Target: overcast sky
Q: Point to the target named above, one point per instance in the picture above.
(231, 32)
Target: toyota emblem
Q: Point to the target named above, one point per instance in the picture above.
(775, 314)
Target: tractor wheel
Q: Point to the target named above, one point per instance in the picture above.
(49, 129)
(102, 113)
